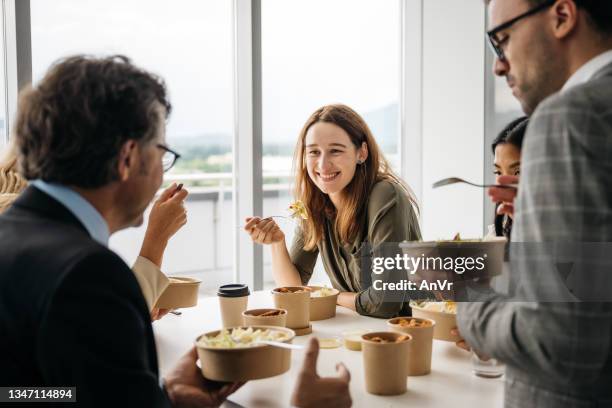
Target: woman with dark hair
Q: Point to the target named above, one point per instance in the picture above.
(350, 196)
(507, 150)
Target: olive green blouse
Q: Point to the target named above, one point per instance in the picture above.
(390, 217)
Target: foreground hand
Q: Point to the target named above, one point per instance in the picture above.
(186, 387)
(505, 196)
(460, 343)
(314, 391)
(264, 231)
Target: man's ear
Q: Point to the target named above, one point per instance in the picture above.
(566, 18)
(363, 152)
(128, 157)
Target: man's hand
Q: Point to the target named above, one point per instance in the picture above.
(460, 343)
(186, 387)
(505, 196)
(314, 391)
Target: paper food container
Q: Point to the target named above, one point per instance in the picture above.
(244, 364)
(444, 321)
(255, 317)
(180, 292)
(323, 307)
(468, 259)
(296, 301)
(419, 355)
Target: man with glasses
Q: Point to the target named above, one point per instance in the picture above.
(91, 139)
(556, 56)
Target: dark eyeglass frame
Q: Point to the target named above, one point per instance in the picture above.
(496, 44)
(175, 157)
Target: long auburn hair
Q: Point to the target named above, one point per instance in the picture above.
(8, 158)
(355, 195)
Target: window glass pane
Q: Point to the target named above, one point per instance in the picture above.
(320, 52)
(189, 44)
(507, 107)
(4, 133)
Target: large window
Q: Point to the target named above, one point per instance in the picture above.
(189, 44)
(316, 52)
(320, 52)
(3, 94)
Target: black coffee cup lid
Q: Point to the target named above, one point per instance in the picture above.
(233, 290)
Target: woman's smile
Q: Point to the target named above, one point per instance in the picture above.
(328, 177)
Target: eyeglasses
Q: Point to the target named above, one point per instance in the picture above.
(496, 43)
(169, 158)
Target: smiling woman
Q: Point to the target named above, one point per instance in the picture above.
(352, 197)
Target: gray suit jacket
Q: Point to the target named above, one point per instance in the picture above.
(558, 354)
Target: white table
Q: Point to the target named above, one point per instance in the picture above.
(450, 384)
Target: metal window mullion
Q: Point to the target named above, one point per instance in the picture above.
(17, 53)
(411, 95)
(247, 151)
(489, 133)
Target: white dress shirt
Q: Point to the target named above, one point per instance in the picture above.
(588, 70)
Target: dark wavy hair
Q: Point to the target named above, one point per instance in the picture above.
(513, 133)
(72, 125)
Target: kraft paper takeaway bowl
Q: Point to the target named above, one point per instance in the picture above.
(322, 302)
(180, 292)
(296, 301)
(457, 260)
(444, 314)
(265, 317)
(233, 355)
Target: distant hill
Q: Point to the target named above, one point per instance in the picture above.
(206, 139)
(383, 122)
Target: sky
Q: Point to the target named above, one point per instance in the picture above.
(314, 52)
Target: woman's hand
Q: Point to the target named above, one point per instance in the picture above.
(167, 216)
(264, 231)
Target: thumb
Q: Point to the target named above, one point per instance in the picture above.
(167, 193)
(310, 359)
(343, 372)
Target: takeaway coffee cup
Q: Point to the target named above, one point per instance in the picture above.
(233, 300)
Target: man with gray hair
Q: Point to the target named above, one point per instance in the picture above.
(91, 138)
(556, 56)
